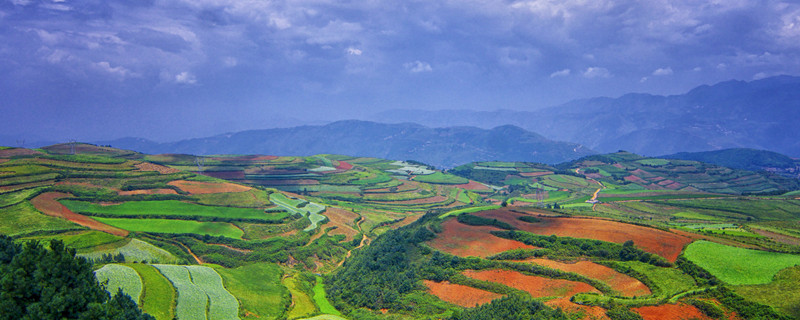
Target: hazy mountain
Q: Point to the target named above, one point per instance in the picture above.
(441, 147)
(760, 114)
(747, 159)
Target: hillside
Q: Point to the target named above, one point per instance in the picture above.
(440, 147)
(745, 159)
(733, 114)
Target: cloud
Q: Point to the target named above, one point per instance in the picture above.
(354, 51)
(118, 70)
(596, 72)
(417, 67)
(663, 71)
(560, 73)
(185, 78)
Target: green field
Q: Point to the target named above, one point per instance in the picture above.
(81, 240)
(159, 296)
(12, 198)
(302, 304)
(118, 276)
(739, 266)
(170, 208)
(23, 218)
(441, 178)
(258, 287)
(175, 226)
(468, 210)
(780, 293)
(134, 251)
(320, 298)
(669, 281)
(192, 301)
(221, 304)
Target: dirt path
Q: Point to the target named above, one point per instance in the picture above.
(48, 204)
(231, 248)
(196, 258)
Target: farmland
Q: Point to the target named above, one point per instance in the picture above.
(737, 265)
(121, 277)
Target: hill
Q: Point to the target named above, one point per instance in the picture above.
(733, 114)
(440, 147)
(745, 159)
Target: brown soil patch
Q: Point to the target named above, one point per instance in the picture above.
(589, 312)
(535, 174)
(47, 204)
(459, 294)
(147, 166)
(472, 185)
(343, 220)
(8, 153)
(197, 187)
(344, 166)
(226, 175)
(147, 191)
(663, 243)
(408, 220)
(678, 311)
(464, 240)
(622, 283)
(538, 287)
(782, 238)
(636, 179)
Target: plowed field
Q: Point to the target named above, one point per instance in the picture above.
(343, 220)
(147, 166)
(46, 203)
(459, 294)
(678, 311)
(537, 286)
(663, 243)
(463, 240)
(473, 185)
(197, 187)
(622, 283)
(589, 312)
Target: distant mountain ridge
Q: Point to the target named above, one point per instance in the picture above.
(745, 159)
(761, 114)
(441, 147)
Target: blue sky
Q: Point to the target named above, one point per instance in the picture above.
(164, 70)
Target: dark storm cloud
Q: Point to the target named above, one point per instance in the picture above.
(214, 61)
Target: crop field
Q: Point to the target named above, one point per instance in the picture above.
(134, 251)
(619, 282)
(192, 302)
(738, 265)
(159, 296)
(536, 286)
(461, 295)
(198, 187)
(302, 304)
(47, 204)
(441, 178)
(464, 240)
(781, 293)
(175, 226)
(23, 218)
(676, 311)
(343, 220)
(120, 276)
(258, 287)
(221, 304)
(83, 240)
(669, 281)
(321, 300)
(170, 208)
(663, 243)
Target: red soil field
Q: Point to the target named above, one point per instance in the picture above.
(408, 220)
(344, 166)
(47, 204)
(147, 191)
(464, 240)
(459, 294)
(589, 312)
(8, 153)
(678, 311)
(663, 243)
(147, 166)
(622, 283)
(636, 179)
(538, 287)
(227, 175)
(197, 187)
(343, 220)
(472, 185)
(535, 174)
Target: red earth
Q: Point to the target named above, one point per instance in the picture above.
(459, 294)
(472, 185)
(677, 311)
(198, 187)
(147, 166)
(464, 240)
(47, 204)
(622, 283)
(538, 287)
(663, 243)
(147, 191)
(589, 312)
(344, 166)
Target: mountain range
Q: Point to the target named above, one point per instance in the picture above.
(760, 114)
(440, 147)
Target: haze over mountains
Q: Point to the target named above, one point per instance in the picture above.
(761, 114)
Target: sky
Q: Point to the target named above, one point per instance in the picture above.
(167, 70)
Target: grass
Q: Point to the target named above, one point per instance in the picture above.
(325, 306)
(653, 162)
(222, 305)
(23, 218)
(81, 239)
(441, 178)
(170, 208)
(739, 266)
(135, 251)
(695, 216)
(117, 276)
(469, 210)
(192, 301)
(780, 294)
(175, 226)
(253, 198)
(670, 281)
(258, 288)
(158, 298)
(302, 304)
